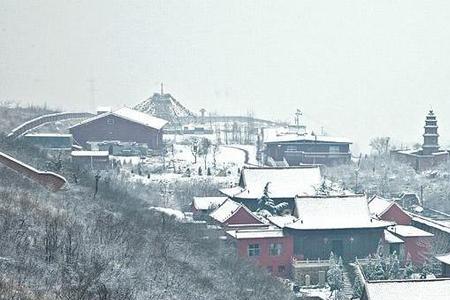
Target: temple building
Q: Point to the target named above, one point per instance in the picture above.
(284, 147)
(430, 155)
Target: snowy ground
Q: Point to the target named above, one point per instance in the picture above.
(228, 161)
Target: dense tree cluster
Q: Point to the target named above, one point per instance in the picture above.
(386, 177)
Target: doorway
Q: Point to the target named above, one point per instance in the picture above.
(337, 246)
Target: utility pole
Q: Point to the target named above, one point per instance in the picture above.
(202, 115)
(298, 113)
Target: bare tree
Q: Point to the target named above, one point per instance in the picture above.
(380, 145)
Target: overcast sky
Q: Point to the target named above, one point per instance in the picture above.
(358, 68)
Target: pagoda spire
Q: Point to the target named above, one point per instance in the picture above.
(430, 136)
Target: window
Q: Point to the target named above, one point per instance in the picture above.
(110, 121)
(291, 148)
(275, 249)
(253, 250)
(334, 149)
(281, 269)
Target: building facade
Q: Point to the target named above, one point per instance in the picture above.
(124, 125)
(303, 148)
(268, 247)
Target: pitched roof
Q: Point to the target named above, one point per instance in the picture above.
(259, 233)
(282, 221)
(445, 258)
(344, 212)
(436, 289)
(227, 209)
(205, 203)
(431, 223)
(378, 205)
(284, 182)
(391, 238)
(130, 115)
(409, 231)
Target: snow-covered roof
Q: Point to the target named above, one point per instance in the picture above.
(179, 215)
(378, 205)
(48, 135)
(90, 153)
(130, 115)
(283, 135)
(282, 221)
(432, 223)
(227, 209)
(445, 258)
(259, 233)
(409, 231)
(284, 182)
(205, 203)
(104, 108)
(420, 289)
(343, 212)
(391, 238)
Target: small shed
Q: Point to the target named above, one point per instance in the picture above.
(97, 160)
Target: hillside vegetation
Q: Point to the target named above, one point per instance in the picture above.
(12, 115)
(79, 244)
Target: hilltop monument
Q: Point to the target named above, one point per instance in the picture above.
(165, 106)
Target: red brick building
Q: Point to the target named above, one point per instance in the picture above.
(416, 242)
(231, 214)
(269, 247)
(124, 125)
(386, 210)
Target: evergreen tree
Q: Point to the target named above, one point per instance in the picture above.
(409, 268)
(394, 268)
(426, 269)
(335, 276)
(369, 269)
(357, 288)
(266, 205)
(378, 272)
